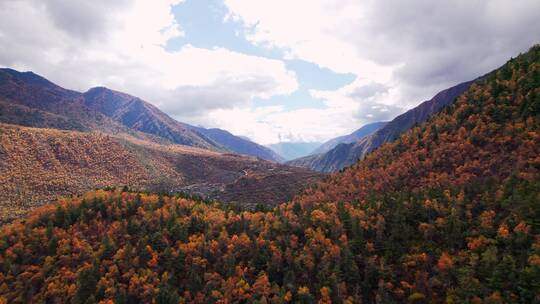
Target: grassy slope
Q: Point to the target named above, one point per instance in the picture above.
(37, 165)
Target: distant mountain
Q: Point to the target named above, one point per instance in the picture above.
(344, 155)
(31, 100)
(292, 150)
(350, 138)
(142, 116)
(239, 144)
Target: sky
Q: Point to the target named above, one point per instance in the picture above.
(270, 70)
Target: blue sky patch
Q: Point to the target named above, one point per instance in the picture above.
(205, 26)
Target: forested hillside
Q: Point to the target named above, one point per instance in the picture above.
(346, 154)
(448, 213)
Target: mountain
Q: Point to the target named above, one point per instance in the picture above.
(238, 144)
(139, 115)
(350, 138)
(142, 116)
(31, 100)
(344, 155)
(38, 165)
(28, 99)
(450, 210)
(447, 213)
(292, 150)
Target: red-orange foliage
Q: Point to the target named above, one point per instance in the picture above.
(445, 262)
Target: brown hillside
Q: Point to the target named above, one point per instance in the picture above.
(37, 165)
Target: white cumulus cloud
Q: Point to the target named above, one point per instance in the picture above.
(402, 52)
(121, 45)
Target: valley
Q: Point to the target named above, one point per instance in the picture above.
(447, 212)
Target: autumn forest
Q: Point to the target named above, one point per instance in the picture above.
(447, 213)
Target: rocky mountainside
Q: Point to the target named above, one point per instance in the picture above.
(344, 155)
(38, 165)
(30, 100)
(350, 138)
(239, 144)
(137, 114)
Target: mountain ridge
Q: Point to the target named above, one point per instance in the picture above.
(239, 144)
(356, 135)
(32, 100)
(344, 155)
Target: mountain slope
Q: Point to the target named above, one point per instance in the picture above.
(38, 165)
(489, 132)
(142, 116)
(36, 102)
(139, 115)
(350, 138)
(344, 155)
(448, 213)
(238, 144)
(292, 150)
(31, 100)
(27, 95)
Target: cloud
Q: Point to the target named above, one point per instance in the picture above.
(121, 45)
(414, 48)
(363, 101)
(314, 37)
(446, 42)
(272, 124)
(343, 111)
(83, 20)
(368, 90)
(230, 91)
